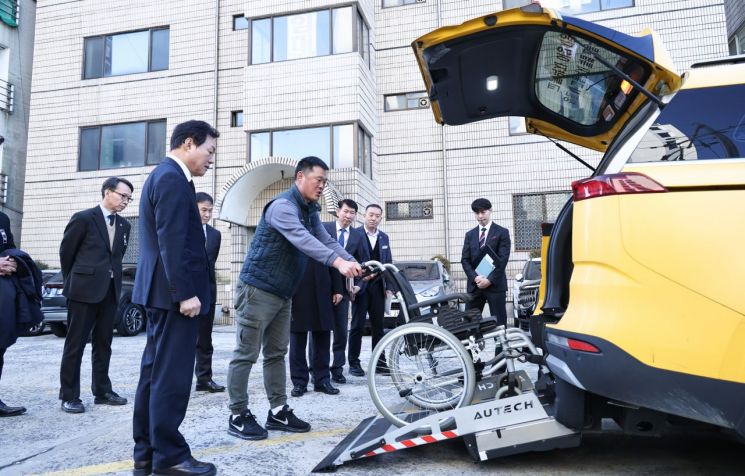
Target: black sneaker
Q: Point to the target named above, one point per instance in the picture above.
(244, 426)
(285, 420)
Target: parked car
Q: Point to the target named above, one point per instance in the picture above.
(643, 322)
(129, 319)
(38, 329)
(429, 279)
(525, 291)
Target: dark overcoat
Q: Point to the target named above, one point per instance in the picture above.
(312, 308)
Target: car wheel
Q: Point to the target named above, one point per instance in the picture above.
(36, 330)
(132, 320)
(58, 329)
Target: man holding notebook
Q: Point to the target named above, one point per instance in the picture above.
(486, 250)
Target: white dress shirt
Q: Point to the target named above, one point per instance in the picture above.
(183, 166)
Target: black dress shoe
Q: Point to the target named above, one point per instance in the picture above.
(110, 398)
(356, 371)
(210, 386)
(298, 391)
(6, 411)
(326, 388)
(142, 468)
(338, 379)
(190, 467)
(73, 406)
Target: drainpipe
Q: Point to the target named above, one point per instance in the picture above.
(443, 139)
(214, 99)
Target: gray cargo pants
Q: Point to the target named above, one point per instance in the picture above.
(262, 324)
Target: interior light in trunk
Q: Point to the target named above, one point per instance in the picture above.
(492, 82)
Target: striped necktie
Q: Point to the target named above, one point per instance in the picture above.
(482, 238)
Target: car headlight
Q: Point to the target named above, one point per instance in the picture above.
(431, 292)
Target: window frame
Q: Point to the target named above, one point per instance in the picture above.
(544, 214)
(357, 131)
(234, 118)
(424, 95)
(424, 202)
(111, 35)
(600, 7)
(330, 9)
(404, 3)
(238, 16)
(100, 128)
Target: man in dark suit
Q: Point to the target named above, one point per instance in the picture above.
(319, 292)
(374, 245)
(494, 240)
(91, 253)
(8, 267)
(203, 367)
(341, 230)
(173, 283)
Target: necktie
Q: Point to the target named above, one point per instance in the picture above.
(341, 237)
(112, 217)
(482, 238)
(191, 184)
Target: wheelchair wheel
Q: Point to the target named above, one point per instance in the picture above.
(417, 370)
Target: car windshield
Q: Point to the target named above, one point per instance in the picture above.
(419, 271)
(695, 126)
(532, 271)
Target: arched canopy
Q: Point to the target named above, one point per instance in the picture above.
(234, 201)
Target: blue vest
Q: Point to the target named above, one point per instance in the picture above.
(273, 264)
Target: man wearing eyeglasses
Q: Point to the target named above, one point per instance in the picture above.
(91, 253)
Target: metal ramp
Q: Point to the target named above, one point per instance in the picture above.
(490, 427)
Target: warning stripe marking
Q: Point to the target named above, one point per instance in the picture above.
(423, 440)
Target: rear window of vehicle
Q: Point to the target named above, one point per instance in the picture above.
(420, 272)
(698, 124)
(532, 270)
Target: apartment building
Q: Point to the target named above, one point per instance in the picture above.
(282, 79)
(17, 19)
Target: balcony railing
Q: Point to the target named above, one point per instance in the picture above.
(7, 96)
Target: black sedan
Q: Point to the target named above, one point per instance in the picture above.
(129, 319)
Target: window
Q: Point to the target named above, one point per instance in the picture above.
(530, 210)
(573, 6)
(335, 145)
(701, 124)
(9, 12)
(364, 151)
(240, 22)
(516, 125)
(7, 90)
(236, 119)
(363, 39)
(400, 102)
(737, 42)
(398, 3)
(412, 210)
(126, 53)
(304, 35)
(113, 146)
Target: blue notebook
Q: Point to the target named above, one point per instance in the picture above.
(486, 266)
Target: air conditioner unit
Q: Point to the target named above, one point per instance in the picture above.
(420, 1)
(423, 102)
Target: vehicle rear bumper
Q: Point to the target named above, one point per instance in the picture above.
(616, 375)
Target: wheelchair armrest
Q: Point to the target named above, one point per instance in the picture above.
(465, 297)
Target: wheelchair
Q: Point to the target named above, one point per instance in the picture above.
(434, 359)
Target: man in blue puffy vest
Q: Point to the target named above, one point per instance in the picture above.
(289, 232)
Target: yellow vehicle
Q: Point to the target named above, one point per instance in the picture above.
(645, 269)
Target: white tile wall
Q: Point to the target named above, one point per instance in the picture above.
(409, 162)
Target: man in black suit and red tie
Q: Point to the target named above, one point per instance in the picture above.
(203, 367)
(494, 240)
(91, 253)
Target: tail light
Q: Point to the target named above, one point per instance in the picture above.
(573, 344)
(614, 184)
